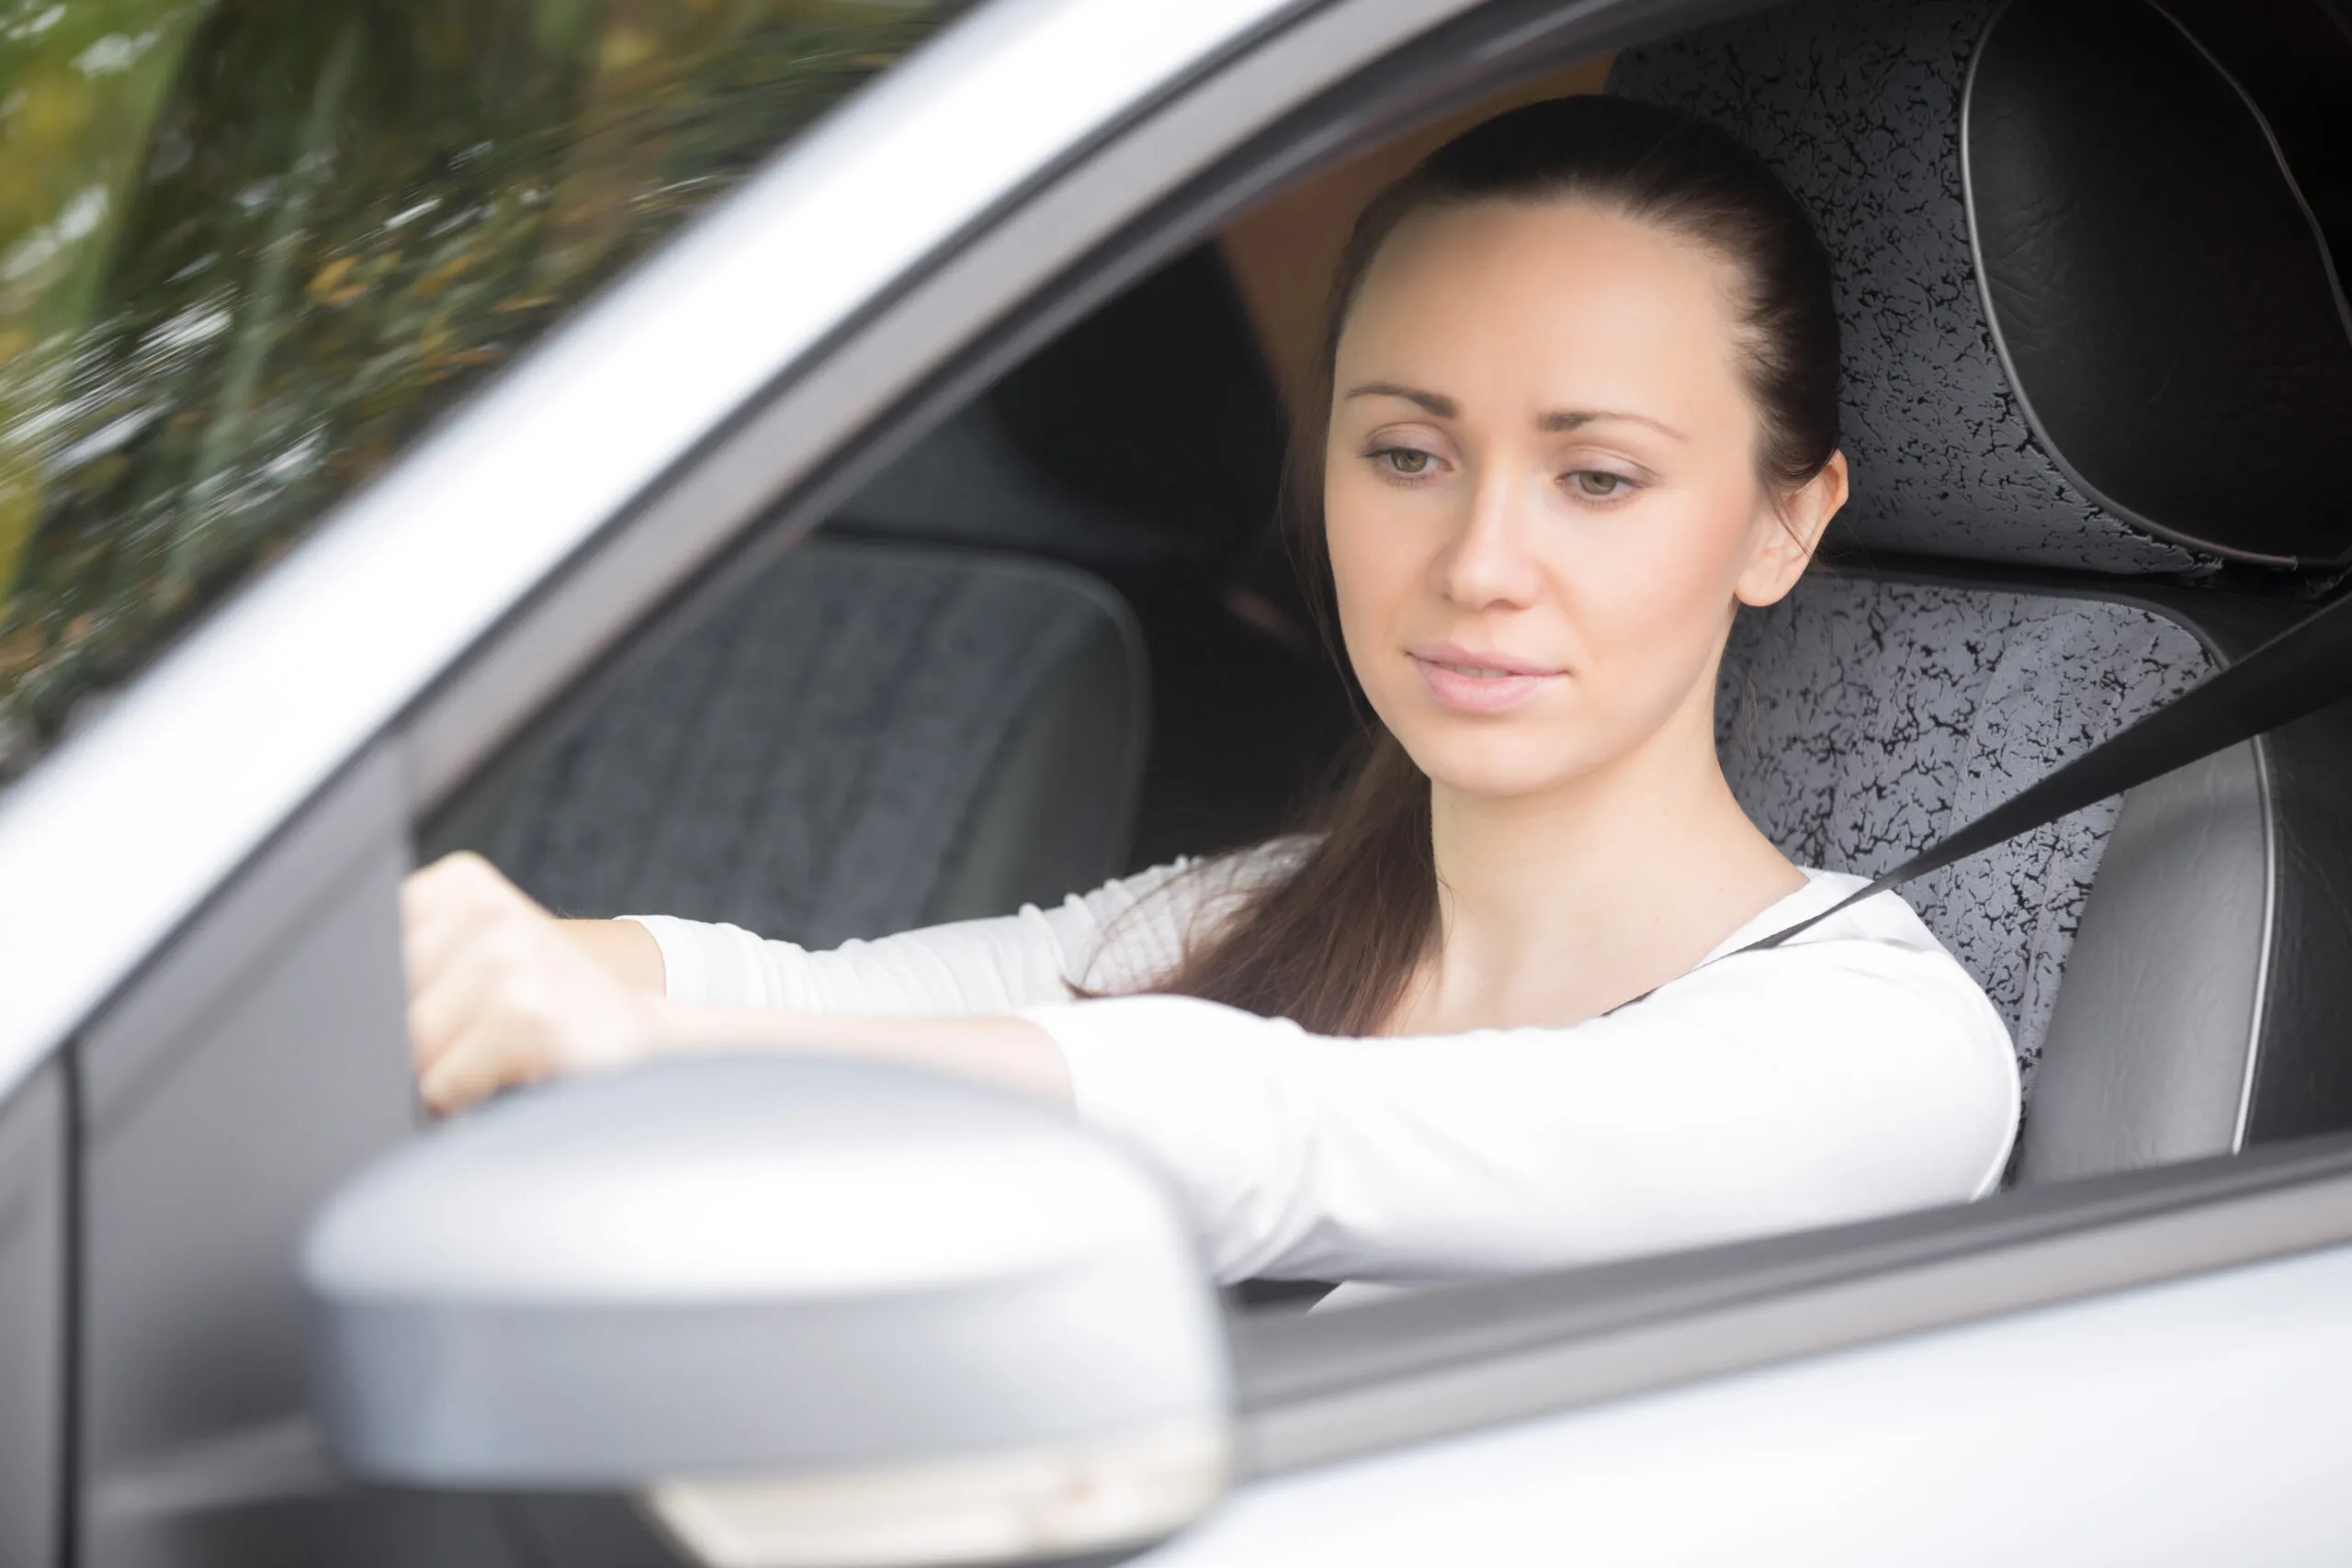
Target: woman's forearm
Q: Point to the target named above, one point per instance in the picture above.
(502, 993)
(1011, 1053)
(624, 949)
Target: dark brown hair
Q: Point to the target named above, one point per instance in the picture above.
(1334, 941)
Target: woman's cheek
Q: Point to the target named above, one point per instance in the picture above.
(1688, 588)
(1380, 588)
(1367, 632)
(1366, 569)
(1648, 607)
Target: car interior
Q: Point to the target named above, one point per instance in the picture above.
(1055, 639)
(2099, 370)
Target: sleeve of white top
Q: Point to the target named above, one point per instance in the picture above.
(1121, 936)
(1826, 1082)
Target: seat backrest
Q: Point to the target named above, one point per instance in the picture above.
(1079, 455)
(1995, 607)
(1862, 718)
(1145, 444)
(869, 738)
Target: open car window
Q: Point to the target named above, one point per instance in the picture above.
(1037, 447)
(248, 253)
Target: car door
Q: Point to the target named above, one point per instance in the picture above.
(32, 1314)
(2144, 1370)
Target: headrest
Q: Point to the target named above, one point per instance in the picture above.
(2089, 320)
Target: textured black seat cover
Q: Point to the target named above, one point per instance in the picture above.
(1886, 703)
(1861, 719)
(868, 738)
(1856, 105)
(2195, 223)
(2142, 245)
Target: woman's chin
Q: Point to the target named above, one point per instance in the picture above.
(1495, 767)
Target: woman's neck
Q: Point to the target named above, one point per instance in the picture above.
(1559, 907)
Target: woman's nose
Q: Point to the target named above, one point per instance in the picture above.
(1491, 562)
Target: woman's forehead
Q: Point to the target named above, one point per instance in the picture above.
(1521, 292)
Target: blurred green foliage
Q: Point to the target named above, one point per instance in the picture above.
(249, 248)
(79, 88)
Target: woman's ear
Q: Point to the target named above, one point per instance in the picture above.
(1784, 546)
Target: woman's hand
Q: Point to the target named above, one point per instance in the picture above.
(499, 993)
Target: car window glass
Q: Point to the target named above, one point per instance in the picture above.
(248, 250)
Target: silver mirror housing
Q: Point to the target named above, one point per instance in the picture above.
(815, 1311)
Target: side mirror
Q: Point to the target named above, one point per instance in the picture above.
(808, 1311)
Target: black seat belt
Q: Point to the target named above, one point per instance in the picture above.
(2301, 671)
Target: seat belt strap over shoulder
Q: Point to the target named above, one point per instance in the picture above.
(2306, 668)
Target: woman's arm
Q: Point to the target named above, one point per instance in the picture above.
(502, 993)
(1826, 1082)
(624, 948)
(1820, 1083)
(1119, 937)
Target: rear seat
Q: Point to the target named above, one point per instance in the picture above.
(868, 737)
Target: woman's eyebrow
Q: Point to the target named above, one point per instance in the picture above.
(1573, 419)
(1436, 403)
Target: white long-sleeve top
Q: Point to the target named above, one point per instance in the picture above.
(1854, 1071)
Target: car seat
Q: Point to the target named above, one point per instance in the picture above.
(2098, 391)
(937, 709)
(1144, 444)
(868, 737)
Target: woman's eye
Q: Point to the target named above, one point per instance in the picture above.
(1407, 461)
(1599, 483)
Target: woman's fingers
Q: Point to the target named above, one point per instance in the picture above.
(448, 915)
(474, 1067)
(445, 907)
(478, 984)
(499, 993)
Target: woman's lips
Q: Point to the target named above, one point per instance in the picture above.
(1468, 681)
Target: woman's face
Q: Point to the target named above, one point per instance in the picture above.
(1541, 492)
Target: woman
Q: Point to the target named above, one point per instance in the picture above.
(1581, 376)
